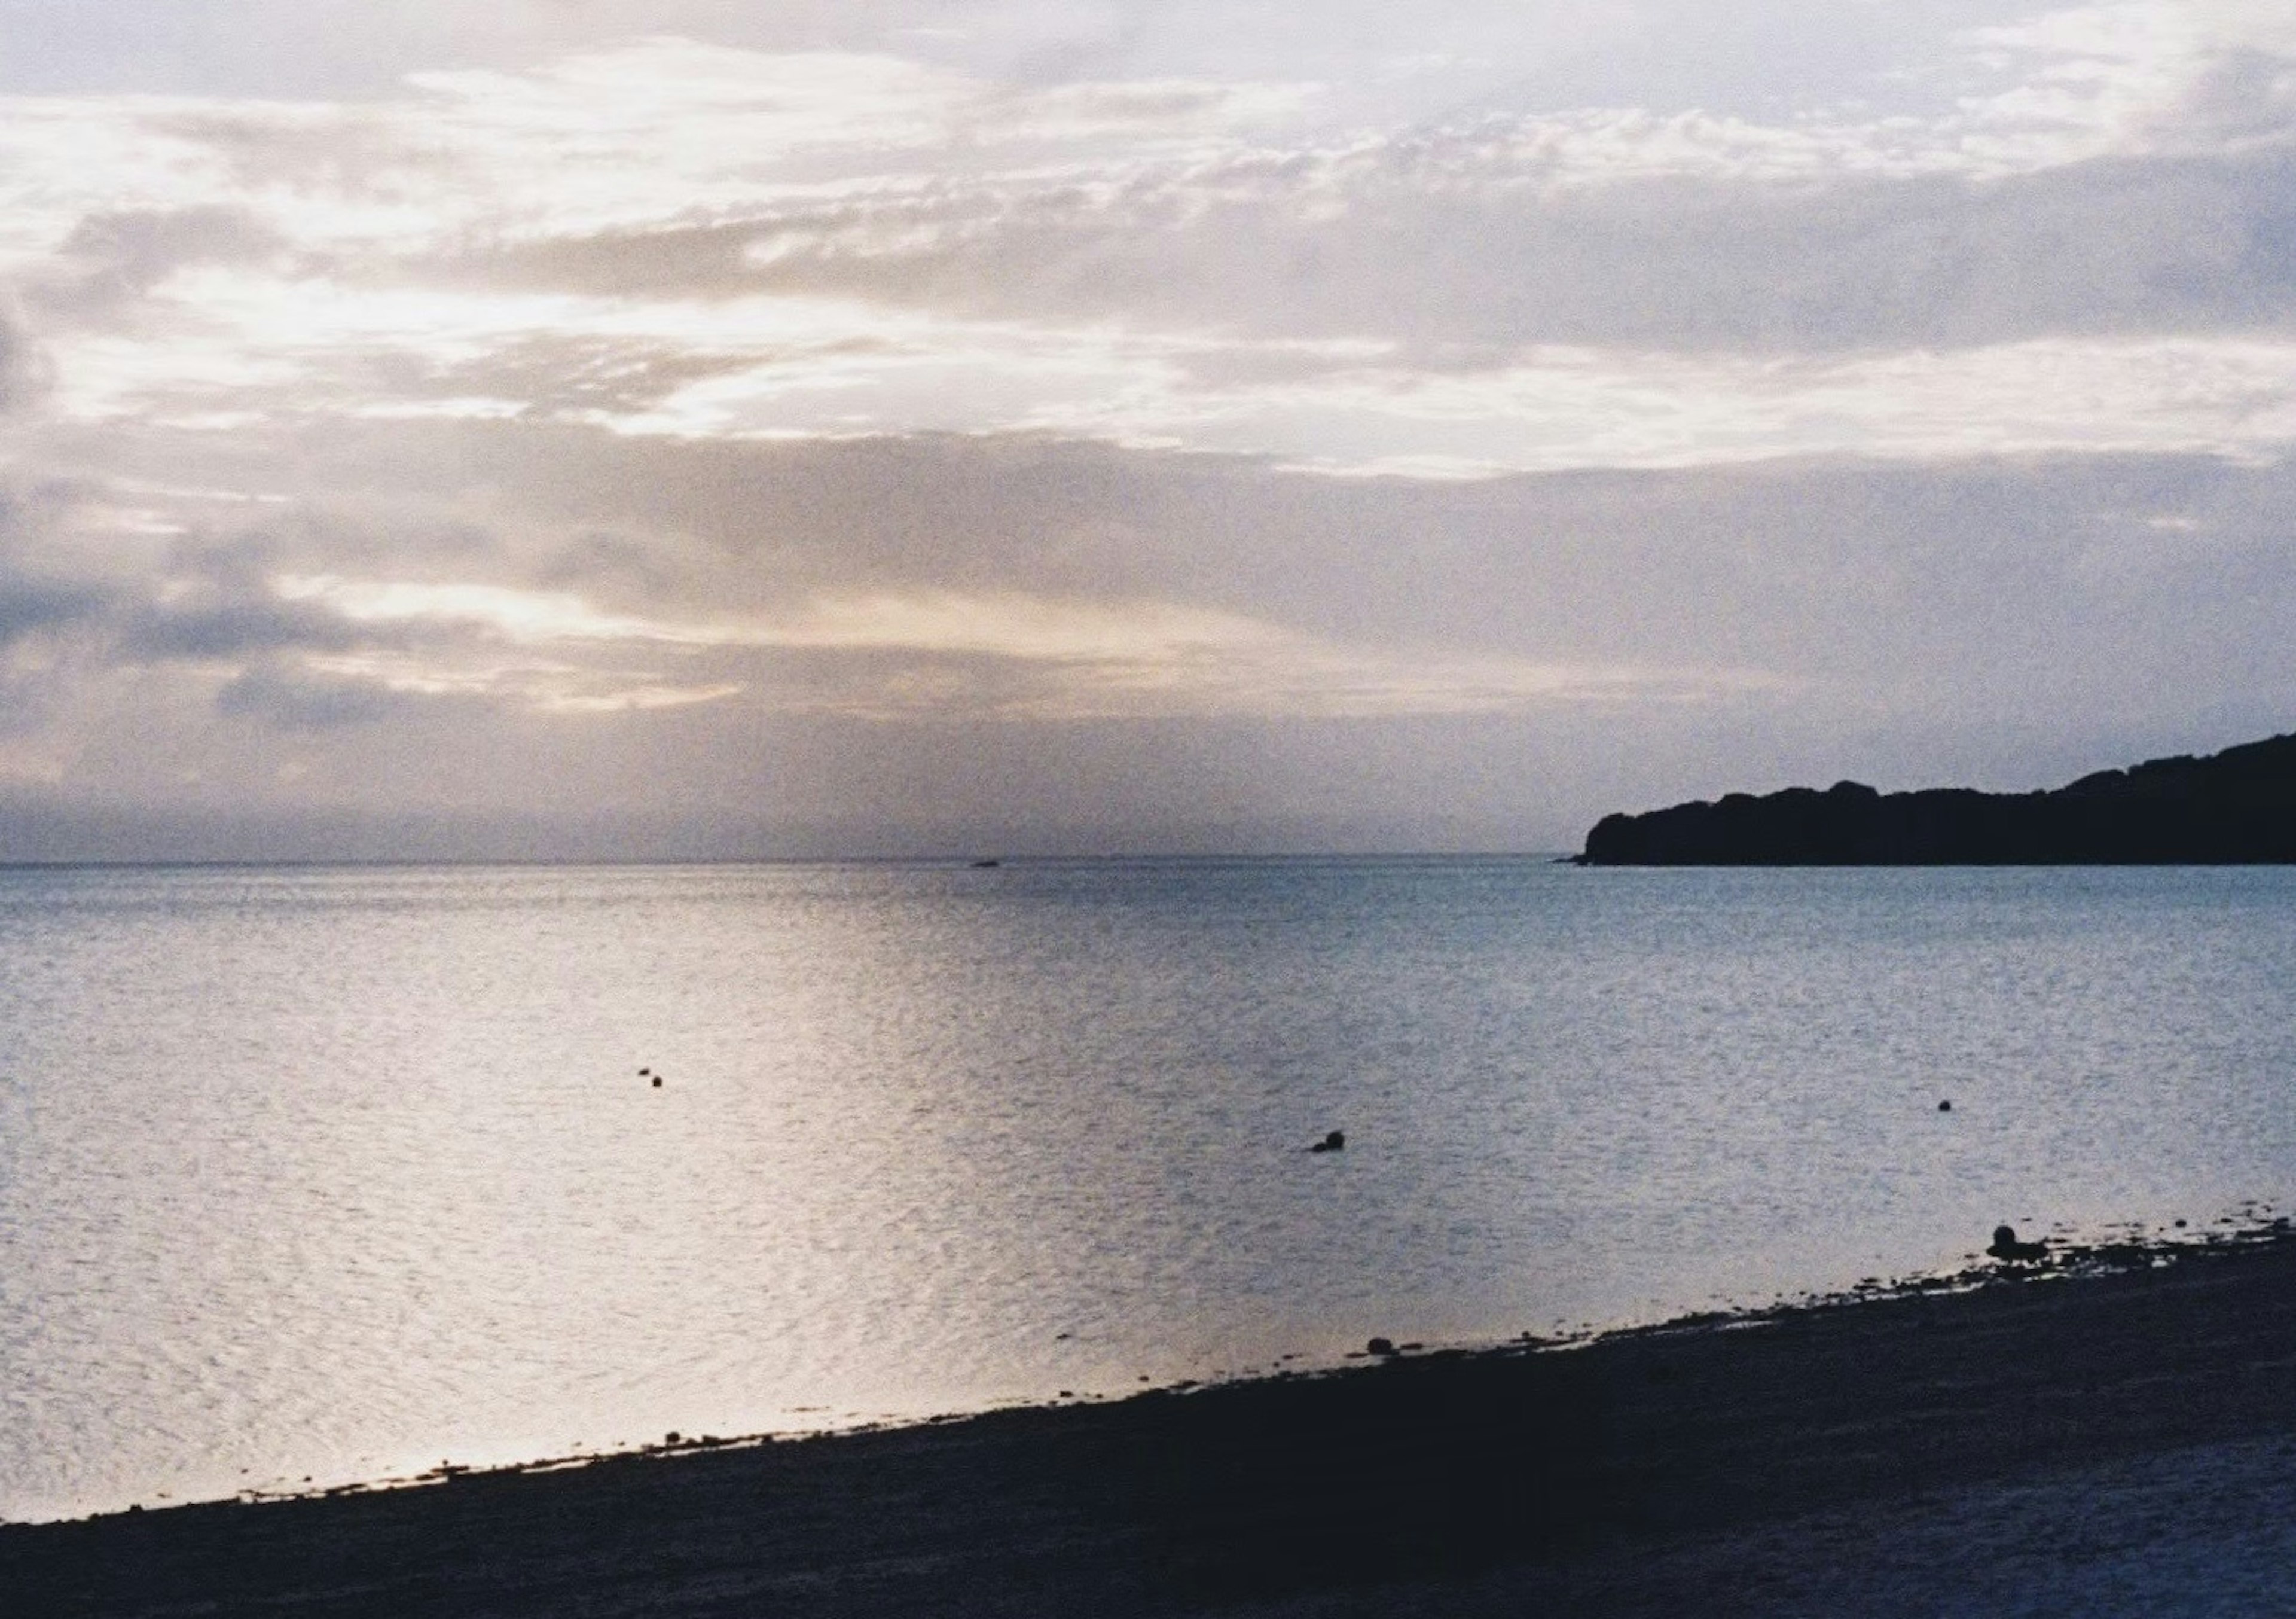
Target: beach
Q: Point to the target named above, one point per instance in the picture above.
(2114, 1436)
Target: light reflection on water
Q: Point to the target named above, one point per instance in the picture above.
(341, 1172)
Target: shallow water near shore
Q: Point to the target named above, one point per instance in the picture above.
(337, 1173)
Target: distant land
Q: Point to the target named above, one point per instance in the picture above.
(2234, 807)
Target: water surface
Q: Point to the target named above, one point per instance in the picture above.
(343, 1172)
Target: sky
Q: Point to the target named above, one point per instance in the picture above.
(575, 428)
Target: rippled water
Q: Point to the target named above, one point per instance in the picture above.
(342, 1172)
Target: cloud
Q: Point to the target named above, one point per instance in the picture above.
(854, 613)
(32, 606)
(786, 429)
(568, 615)
(1463, 239)
(938, 653)
(964, 577)
(295, 699)
(227, 629)
(23, 370)
(517, 616)
(827, 371)
(39, 598)
(111, 260)
(677, 238)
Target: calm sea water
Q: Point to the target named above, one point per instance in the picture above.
(339, 1173)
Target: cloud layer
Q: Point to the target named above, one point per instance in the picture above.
(939, 420)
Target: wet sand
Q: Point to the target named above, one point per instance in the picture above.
(2116, 1442)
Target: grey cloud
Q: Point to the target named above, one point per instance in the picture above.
(214, 603)
(2006, 623)
(47, 612)
(23, 370)
(629, 566)
(31, 604)
(2118, 245)
(113, 258)
(352, 149)
(292, 700)
(141, 245)
(2246, 98)
(37, 596)
(92, 621)
(752, 526)
(2111, 587)
(1432, 241)
(338, 531)
(218, 629)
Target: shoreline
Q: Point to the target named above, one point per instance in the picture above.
(2122, 1247)
(1616, 1473)
(2132, 1249)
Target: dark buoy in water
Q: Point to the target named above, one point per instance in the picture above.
(2005, 1246)
(1945, 1106)
(1379, 1346)
(1336, 1142)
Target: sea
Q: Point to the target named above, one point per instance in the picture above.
(318, 1176)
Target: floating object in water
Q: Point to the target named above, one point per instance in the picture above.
(1336, 1142)
(1381, 1346)
(657, 1081)
(987, 865)
(1945, 1106)
(2005, 1246)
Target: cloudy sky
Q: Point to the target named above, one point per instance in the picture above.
(793, 426)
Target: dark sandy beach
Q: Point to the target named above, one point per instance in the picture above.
(2113, 1442)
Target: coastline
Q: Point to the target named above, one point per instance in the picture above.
(2006, 1424)
(2226, 809)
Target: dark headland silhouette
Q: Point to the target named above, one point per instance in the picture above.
(2236, 806)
